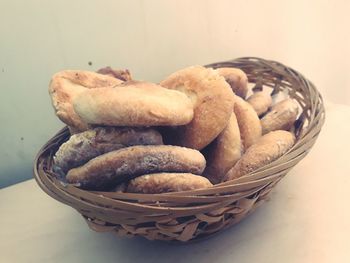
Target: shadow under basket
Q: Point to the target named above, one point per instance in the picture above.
(193, 215)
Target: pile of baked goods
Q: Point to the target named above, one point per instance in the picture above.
(196, 128)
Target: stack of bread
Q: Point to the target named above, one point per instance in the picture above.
(194, 129)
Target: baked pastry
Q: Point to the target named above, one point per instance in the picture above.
(109, 169)
(167, 182)
(237, 79)
(68, 84)
(261, 101)
(223, 152)
(248, 122)
(267, 149)
(84, 146)
(122, 74)
(134, 104)
(281, 116)
(213, 102)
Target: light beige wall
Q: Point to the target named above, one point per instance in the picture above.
(152, 38)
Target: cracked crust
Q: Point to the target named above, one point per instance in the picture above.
(167, 182)
(281, 116)
(109, 169)
(224, 152)
(82, 147)
(237, 79)
(66, 85)
(267, 149)
(212, 99)
(134, 104)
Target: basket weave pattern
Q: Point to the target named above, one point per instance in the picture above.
(193, 215)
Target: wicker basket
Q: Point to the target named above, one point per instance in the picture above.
(193, 215)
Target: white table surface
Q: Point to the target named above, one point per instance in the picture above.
(307, 219)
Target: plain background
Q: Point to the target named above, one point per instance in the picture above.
(152, 38)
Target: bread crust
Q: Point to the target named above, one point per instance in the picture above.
(212, 99)
(82, 147)
(134, 104)
(237, 79)
(267, 149)
(111, 168)
(224, 152)
(167, 182)
(281, 116)
(261, 101)
(66, 85)
(248, 122)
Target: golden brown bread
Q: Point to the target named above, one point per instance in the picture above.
(223, 152)
(237, 79)
(248, 122)
(109, 169)
(267, 149)
(134, 104)
(212, 99)
(167, 182)
(84, 146)
(122, 74)
(281, 116)
(261, 101)
(66, 85)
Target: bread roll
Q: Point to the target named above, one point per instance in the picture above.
(109, 169)
(237, 79)
(224, 152)
(213, 102)
(267, 149)
(261, 101)
(134, 104)
(68, 84)
(84, 146)
(281, 116)
(248, 122)
(167, 182)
